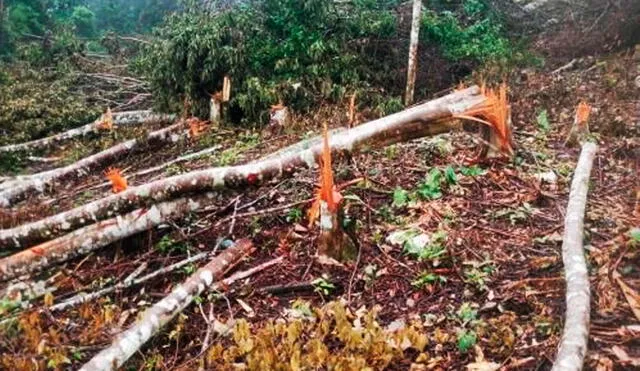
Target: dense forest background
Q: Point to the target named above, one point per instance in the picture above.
(299, 53)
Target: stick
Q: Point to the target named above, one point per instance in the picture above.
(95, 236)
(119, 118)
(575, 336)
(83, 298)
(166, 309)
(427, 119)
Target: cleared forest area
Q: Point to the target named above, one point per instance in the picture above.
(340, 185)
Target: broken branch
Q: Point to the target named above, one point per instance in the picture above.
(166, 309)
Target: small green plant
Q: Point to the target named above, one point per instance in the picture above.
(634, 237)
(167, 245)
(474, 170)
(294, 215)
(323, 286)
(450, 176)
(466, 340)
(467, 314)
(427, 279)
(478, 274)
(189, 269)
(430, 249)
(543, 120)
(400, 198)
(430, 188)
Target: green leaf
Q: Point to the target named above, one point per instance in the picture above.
(430, 188)
(466, 340)
(474, 170)
(543, 120)
(450, 175)
(400, 198)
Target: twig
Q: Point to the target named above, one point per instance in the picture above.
(233, 217)
(266, 211)
(83, 298)
(353, 274)
(565, 67)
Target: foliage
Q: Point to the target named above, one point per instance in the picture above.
(432, 248)
(400, 198)
(325, 338)
(466, 340)
(430, 188)
(472, 33)
(428, 279)
(274, 50)
(84, 20)
(473, 170)
(543, 120)
(34, 104)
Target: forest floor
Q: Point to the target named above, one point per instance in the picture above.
(487, 289)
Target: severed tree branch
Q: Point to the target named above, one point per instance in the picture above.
(119, 118)
(14, 191)
(431, 118)
(165, 310)
(575, 336)
(95, 236)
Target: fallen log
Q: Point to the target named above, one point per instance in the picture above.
(94, 236)
(119, 118)
(431, 118)
(14, 191)
(166, 309)
(575, 336)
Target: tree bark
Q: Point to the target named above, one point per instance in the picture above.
(18, 189)
(119, 118)
(95, 236)
(413, 52)
(575, 336)
(431, 118)
(165, 310)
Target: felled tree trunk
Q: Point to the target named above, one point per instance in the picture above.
(427, 119)
(575, 336)
(412, 65)
(95, 236)
(18, 189)
(119, 118)
(165, 310)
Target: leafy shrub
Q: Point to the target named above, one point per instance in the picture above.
(475, 36)
(84, 20)
(289, 50)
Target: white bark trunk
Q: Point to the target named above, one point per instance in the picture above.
(575, 336)
(119, 118)
(18, 189)
(95, 236)
(165, 310)
(413, 52)
(430, 118)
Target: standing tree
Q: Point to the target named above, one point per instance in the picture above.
(413, 52)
